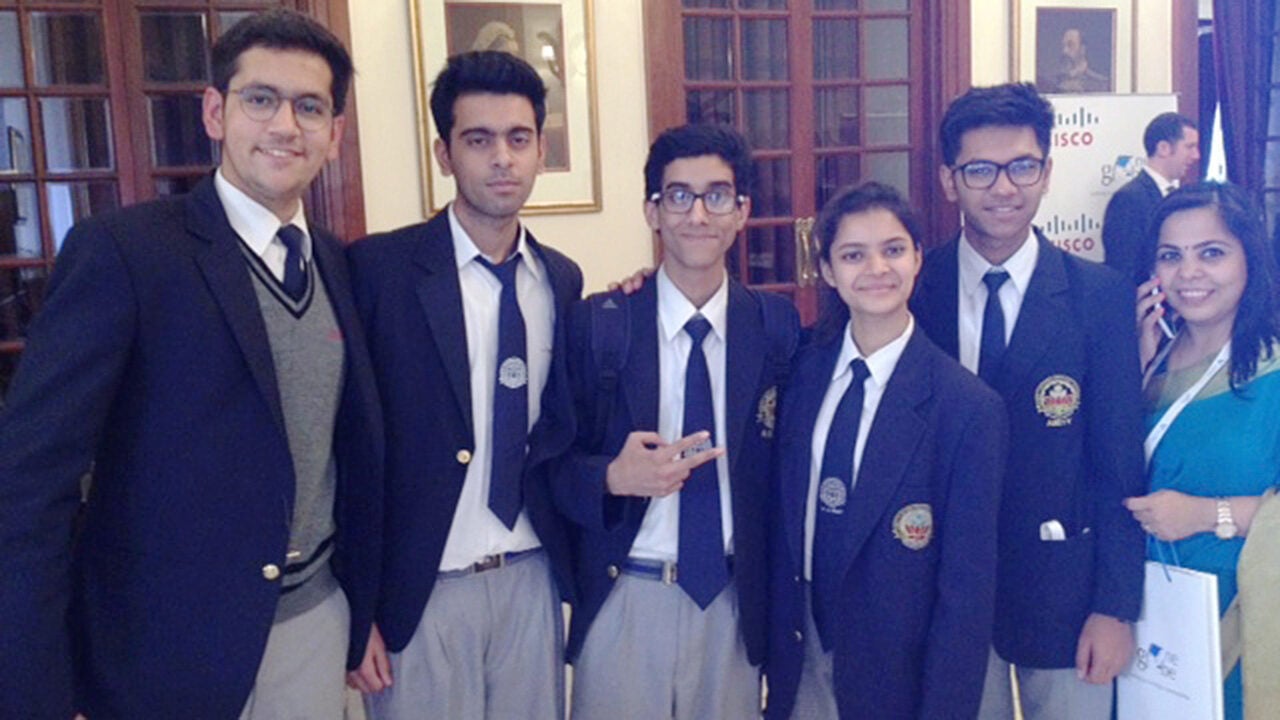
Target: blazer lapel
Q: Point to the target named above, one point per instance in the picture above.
(1042, 305)
(223, 265)
(746, 346)
(803, 400)
(639, 377)
(440, 294)
(937, 310)
(891, 444)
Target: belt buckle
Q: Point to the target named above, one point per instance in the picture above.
(490, 562)
(668, 573)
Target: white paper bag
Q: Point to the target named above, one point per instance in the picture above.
(1177, 669)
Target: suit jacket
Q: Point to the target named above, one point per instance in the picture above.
(915, 624)
(408, 295)
(1070, 460)
(1124, 227)
(607, 524)
(151, 360)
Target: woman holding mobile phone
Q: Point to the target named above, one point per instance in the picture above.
(1212, 392)
(890, 460)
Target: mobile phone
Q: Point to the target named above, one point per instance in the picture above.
(1165, 327)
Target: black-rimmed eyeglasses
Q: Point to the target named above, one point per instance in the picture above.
(716, 201)
(261, 103)
(982, 174)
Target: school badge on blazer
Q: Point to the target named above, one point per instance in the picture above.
(767, 412)
(1058, 399)
(913, 525)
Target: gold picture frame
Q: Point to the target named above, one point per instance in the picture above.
(1074, 46)
(556, 37)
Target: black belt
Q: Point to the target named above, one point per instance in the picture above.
(490, 562)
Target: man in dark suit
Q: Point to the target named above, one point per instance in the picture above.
(1052, 334)
(667, 479)
(1173, 150)
(202, 355)
(464, 314)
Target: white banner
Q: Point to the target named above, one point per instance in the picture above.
(1096, 149)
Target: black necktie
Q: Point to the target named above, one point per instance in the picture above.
(992, 348)
(703, 572)
(295, 265)
(832, 527)
(510, 399)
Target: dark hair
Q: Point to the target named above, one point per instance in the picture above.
(485, 71)
(1009, 105)
(833, 314)
(696, 140)
(1165, 127)
(1256, 326)
(282, 29)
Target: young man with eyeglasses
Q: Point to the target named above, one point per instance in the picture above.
(1053, 334)
(202, 355)
(675, 389)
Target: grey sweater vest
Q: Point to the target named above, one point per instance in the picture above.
(308, 352)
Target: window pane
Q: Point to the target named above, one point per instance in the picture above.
(889, 168)
(708, 49)
(15, 136)
(177, 185)
(762, 4)
(772, 197)
(177, 132)
(886, 49)
(710, 106)
(68, 48)
(77, 134)
(20, 221)
(767, 118)
(833, 173)
(706, 3)
(72, 202)
(835, 116)
(771, 255)
(10, 51)
(228, 18)
(835, 5)
(835, 49)
(174, 47)
(883, 5)
(21, 291)
(764, 49)
(887, 113)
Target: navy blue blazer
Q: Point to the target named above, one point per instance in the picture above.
(607, 525)
(1125, 225)
(915, 622)
(1071, 386)
(151, 361)
(409, 298)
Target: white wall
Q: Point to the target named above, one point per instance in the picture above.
(607, 244)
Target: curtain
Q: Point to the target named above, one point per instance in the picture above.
(1242, 46)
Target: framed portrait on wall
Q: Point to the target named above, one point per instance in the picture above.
(1081, 46)
(555, 38)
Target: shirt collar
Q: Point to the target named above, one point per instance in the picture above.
(881, 362)
(256, 225)
(1165, 184)
(465, 250)
(1020, 265)
(674, 309)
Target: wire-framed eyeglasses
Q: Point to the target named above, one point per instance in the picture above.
(982, 174)
(716, 200)
(261, 103)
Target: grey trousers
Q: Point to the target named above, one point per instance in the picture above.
(490, 646)
(303, 671)
(652, 654)
(1053, 694)
(816, 693)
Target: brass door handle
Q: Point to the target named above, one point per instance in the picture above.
(807, 252)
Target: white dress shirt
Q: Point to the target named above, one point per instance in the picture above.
(973, 294)
(476, 531)
(881, 364)
(1165, 184)
(659, 536)
(257, 226)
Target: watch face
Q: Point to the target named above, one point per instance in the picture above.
(1225, 530)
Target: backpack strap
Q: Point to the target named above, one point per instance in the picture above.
(610, 343)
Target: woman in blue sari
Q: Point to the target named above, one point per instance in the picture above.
(1213, 390)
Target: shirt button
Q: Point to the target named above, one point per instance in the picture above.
(799, 636)
(270, 571)
(463, 456)
(613, 572)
